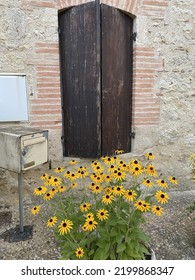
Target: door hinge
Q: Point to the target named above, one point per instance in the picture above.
(132, 135)
(134, 36)
(59, 30)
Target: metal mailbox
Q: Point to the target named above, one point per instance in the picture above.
(22, 148)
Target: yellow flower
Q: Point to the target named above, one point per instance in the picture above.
(118, 190)
(35, 210)
(118, 152)
(40, 190)
(130, 195)
(54, 191)
(58, 169)
(119, 175)
(157, 210)
(84, 207)
(89, 215)
(90, 224)
(147, 183)
(72, 176)
(107, 199)
(48, 195)
(146, 206)
(162, 197)
(74, 185)
(61, 189)
(79, 252)
(150, 170)
(173, 180)
(150, 156)
(49, 181)
(97, 189)
(52, 221)
(136, 169)
(107, 178)
(102, 214)
(82, 173)
(139, 205)
(65, 227)
(44, 176)
(162, 183)
(73, 162)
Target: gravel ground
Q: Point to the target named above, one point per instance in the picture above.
(172, 234)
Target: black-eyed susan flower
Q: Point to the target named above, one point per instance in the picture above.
(65, 227)
(84, 228)
(98, 168)
(118, 190)
(57, 181)
(49, 181)
(90, 224)
(97, 189)
(67, 174)
(73, 176)
(146, 206)
(112, 168)
(52, 221)
(107, 178)
(108, 190)
(119, 175)
(150, 156)
(48, 196)
(150, 170)
(139, 205)
(54, 191)
(119, 152)
(74, 185)
(91, 186)
(82, 174)
(90, 215)
(35, 210)
(173, 180)
(102, 214)
(148, 183)
(97, 178)
(107, 199)
(84, 207)
(44, 176)
(130, 195)
(136, 170)
(72, 162)
(157, 210)
(59, 169)
(61, 189)
(40, 190)
(109, 160)
(79, 252)
(162, 183)
(162, 197)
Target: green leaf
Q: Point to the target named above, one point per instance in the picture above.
(120, 248)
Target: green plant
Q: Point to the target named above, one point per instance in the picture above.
(97, 211)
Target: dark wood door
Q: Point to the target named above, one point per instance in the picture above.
(96, 73)
(116, 80)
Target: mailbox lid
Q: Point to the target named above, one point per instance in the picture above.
(34, 149)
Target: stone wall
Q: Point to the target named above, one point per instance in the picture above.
(163, 89)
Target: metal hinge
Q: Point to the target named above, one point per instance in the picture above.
(134, 36)
(132, 135)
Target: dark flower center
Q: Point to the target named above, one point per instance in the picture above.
(129, 193)
(90, 222)
(64, 225)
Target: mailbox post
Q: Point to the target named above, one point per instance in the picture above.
(22, 148)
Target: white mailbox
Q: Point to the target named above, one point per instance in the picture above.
(22, 148)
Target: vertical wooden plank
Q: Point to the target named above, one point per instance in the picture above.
(80, 79)
(116, 80)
